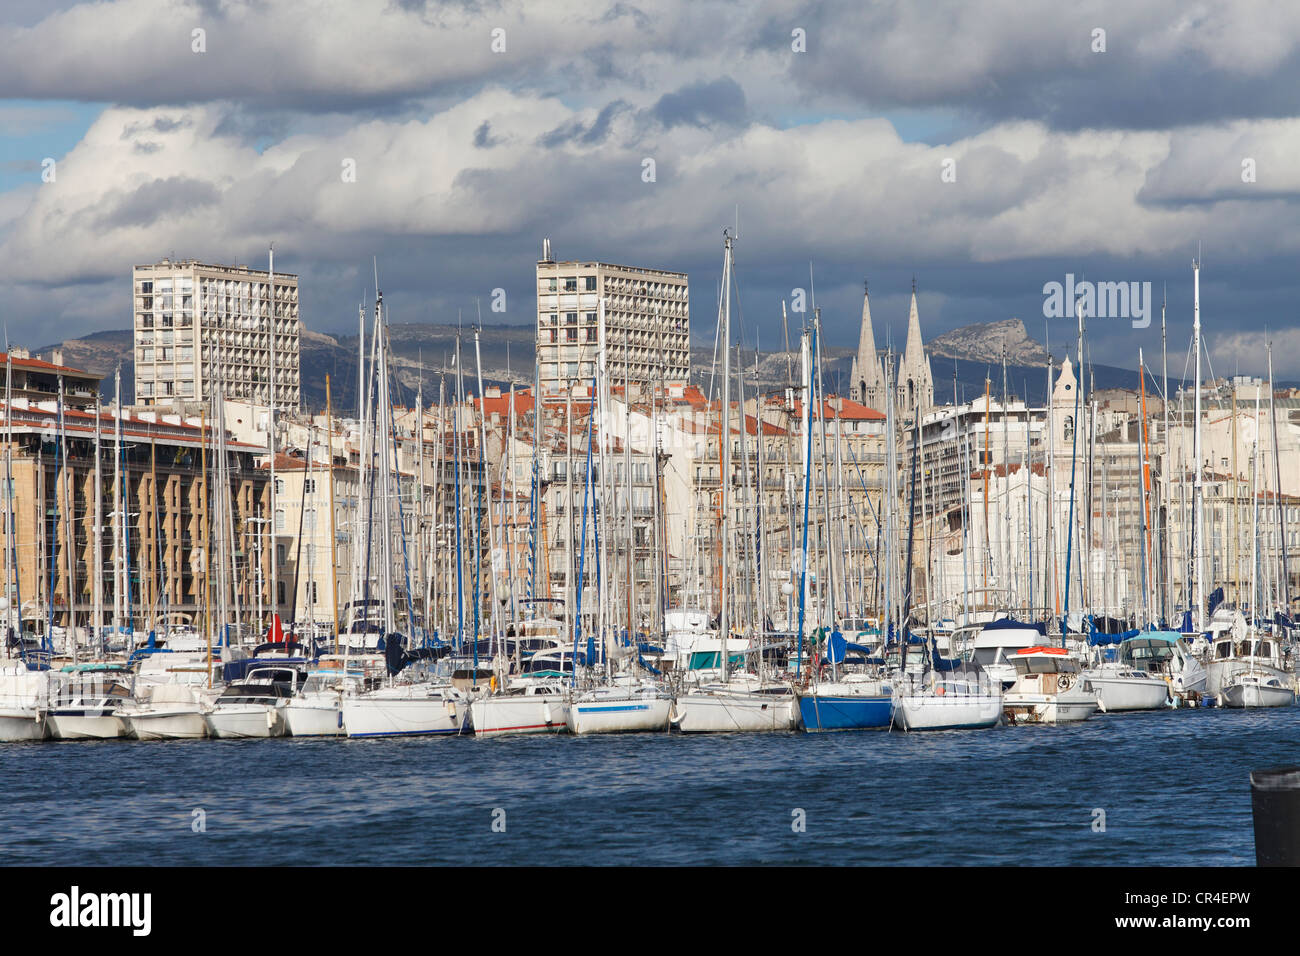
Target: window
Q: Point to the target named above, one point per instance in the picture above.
(280, 595)
(593, 335)
(570, 318)
(590, 283)
(309, 486)
(552, 283)
(279, 487)
(279, 524)
(280, 557)
(570, 283)
(571, 335)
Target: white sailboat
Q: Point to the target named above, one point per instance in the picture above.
(540, 707)
(740, 702)
(621, 709)
(954, 703)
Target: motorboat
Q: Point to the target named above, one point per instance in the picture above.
(1049, 688)
(317, 710)
(168, 712)
(998, 642)
(1122, 687)
(24, 700)
(254, 706)
(88, 705)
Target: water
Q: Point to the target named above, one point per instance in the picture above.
(1174, 786)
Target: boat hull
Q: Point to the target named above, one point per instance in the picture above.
(632, 715)
(403, 717)
(167, 725)
(1248, 695)
(22, 724)
(830, 712)
(73, 725)
(532, 714)
(302, 719)
(930, 712)
(246, 721)
(1048, 708)
(722, 713)
(1116, 694)
(1222, 674)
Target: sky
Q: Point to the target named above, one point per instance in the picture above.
(985, 149)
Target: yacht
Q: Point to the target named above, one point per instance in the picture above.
(168, 712)
(89, 705)
(254, 706)
(1049, 689)
(24, 699)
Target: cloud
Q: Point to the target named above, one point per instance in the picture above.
(1164, 65)
(703, 104)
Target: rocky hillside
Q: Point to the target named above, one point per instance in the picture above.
(987, 342)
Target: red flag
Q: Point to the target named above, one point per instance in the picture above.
(275, 633)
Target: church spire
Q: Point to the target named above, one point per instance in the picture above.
(915, 381)
(866, 381)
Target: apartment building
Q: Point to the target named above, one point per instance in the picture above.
(196, 323)
(647, 324)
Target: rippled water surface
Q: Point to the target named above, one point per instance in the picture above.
(1174, 787)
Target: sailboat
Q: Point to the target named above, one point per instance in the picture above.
(740, 701)
(413, 704)
(851, 699)
(921, 701)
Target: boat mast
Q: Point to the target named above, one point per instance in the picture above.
(1197, 489)
(1284, 591)
(724, 475)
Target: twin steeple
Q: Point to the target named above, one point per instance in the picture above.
(915, 381)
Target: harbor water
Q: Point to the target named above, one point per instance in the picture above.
(1168, 788)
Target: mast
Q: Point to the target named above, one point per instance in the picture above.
(1197, 489)
(1167, 596)
(97, 532)
(1284, 591)
(725, 473)
(334, 572)
(270, 439)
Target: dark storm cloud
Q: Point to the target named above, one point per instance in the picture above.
(703, 104)
(144, 205)
(578, 131)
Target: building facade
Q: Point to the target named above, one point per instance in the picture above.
(646, 318)
(196, 324)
